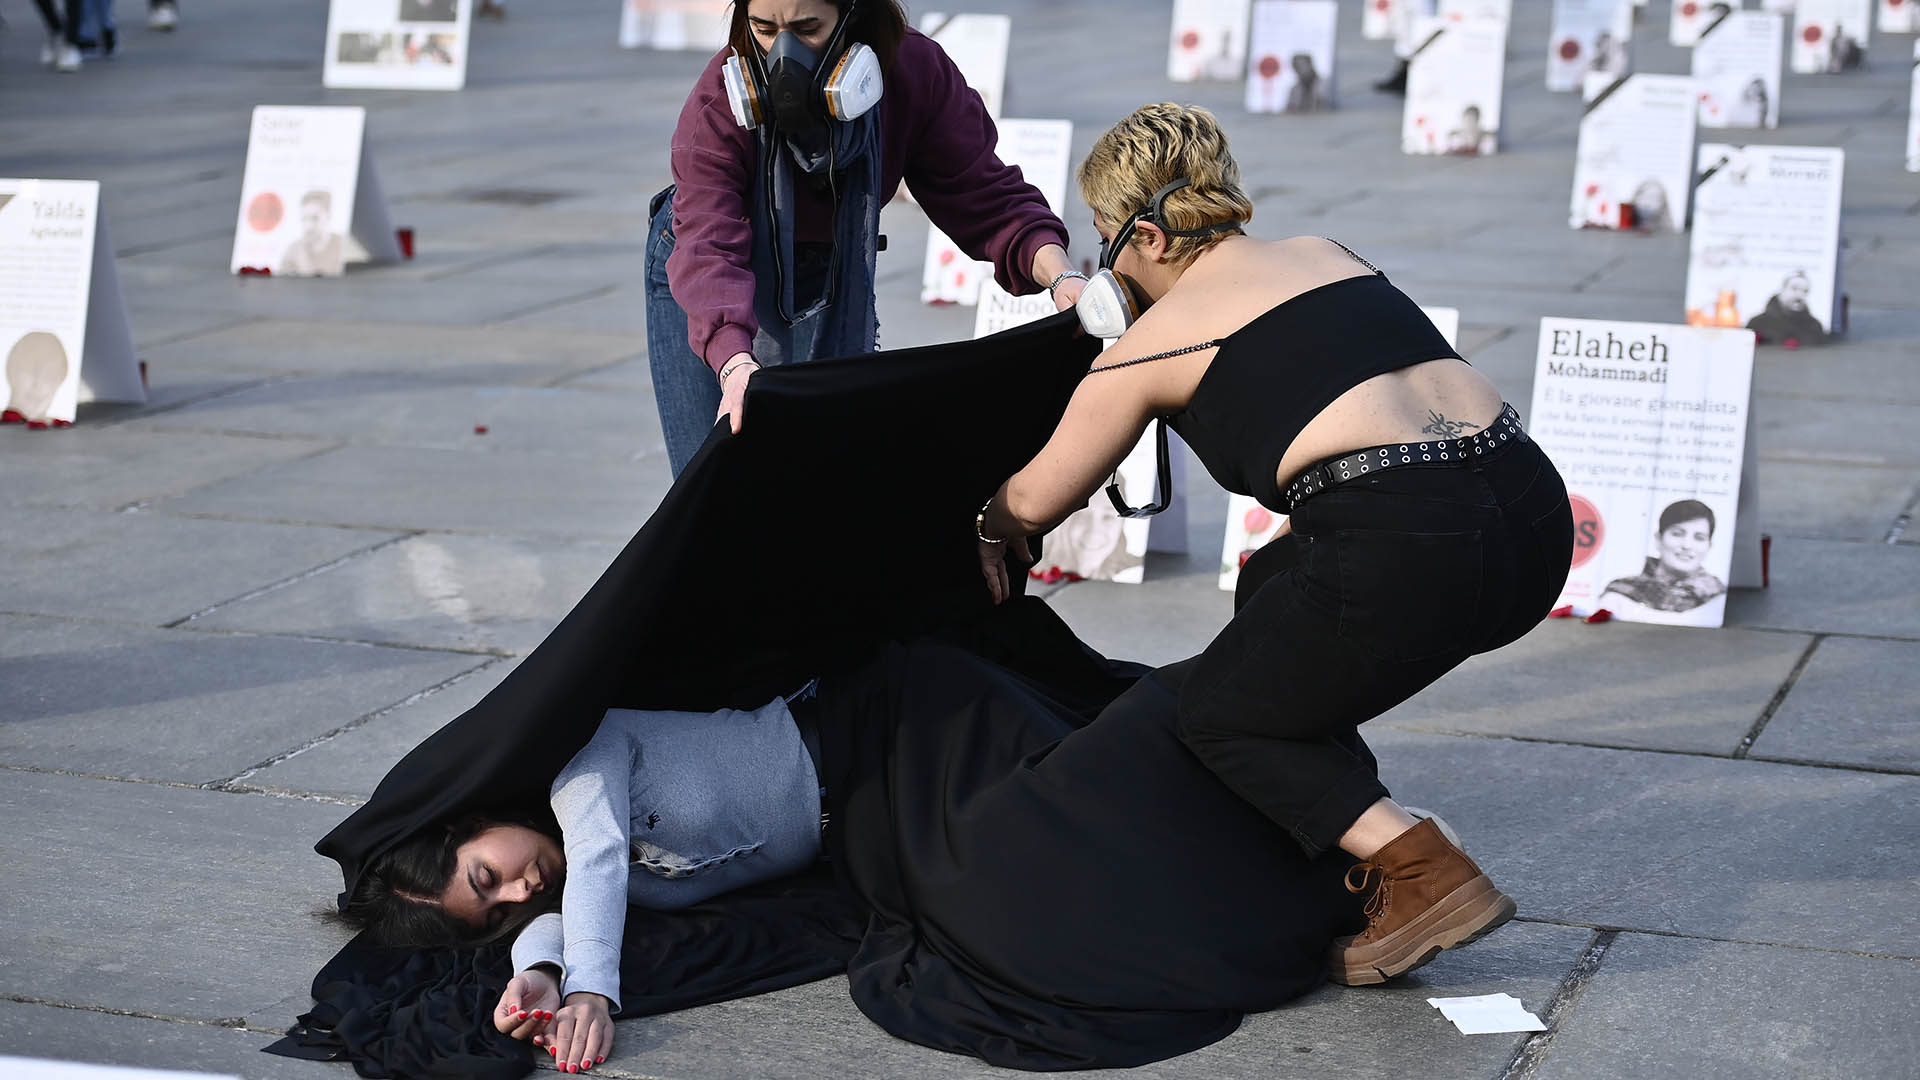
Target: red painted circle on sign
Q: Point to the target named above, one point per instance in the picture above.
(1190, 39)
(1811, 35)
(1589, 532)
(1569, 50)
(1689, 10)
(1269, 66)
(946, 257)
(1382, 5)
(1258, 520)
(265, 211)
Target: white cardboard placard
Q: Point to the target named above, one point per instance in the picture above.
(1460, 10)
(1251, 526)
(397, 44)
(1829, 36)
(1689, 17)
(1765, 250)
(64, 337)
(674, 25)
(1645, 420)
(1636, 151)
(1040, 149)
(1454, 87)
(1406, 18)
(1913, 115)
(20, 1068)
(308, 170)
(1899, 16)
(1208, 41)
(1376, 20)
(1588, 37)
(977, 44)
(1290, 56)
(1737, 67)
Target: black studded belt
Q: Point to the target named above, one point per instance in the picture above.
(1314, 479)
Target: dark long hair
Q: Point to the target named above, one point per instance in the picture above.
(397, 896)
(881, 24)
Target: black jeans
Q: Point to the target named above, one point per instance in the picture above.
(1384, 585)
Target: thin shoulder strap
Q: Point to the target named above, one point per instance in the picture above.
(1182, 351)
(1355, 254)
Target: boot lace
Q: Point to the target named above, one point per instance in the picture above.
(1375, 876)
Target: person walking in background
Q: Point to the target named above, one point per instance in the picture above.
(763, 250)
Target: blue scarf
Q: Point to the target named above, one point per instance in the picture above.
(849, 325)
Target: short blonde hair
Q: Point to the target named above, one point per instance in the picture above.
(1152, 148)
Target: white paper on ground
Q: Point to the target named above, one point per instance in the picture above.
(302, 180)
(1487, 1014)
(1899, 16)
(1588, 36)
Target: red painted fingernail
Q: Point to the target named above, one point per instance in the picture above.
(600, 1059)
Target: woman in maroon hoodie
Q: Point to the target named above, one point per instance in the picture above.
(762, 251)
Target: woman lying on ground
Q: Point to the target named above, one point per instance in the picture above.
(1425, 526)
(661, 810)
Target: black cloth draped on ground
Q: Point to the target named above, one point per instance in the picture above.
(1026, 865)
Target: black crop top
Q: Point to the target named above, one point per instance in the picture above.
(1272, 376)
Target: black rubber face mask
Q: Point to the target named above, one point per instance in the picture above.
(790, 70)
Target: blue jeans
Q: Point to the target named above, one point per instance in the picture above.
(684, 388)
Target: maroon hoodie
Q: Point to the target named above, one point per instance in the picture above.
(934, 133)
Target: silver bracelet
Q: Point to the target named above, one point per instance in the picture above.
(730, 368)
(980, 524)
(1062, 276)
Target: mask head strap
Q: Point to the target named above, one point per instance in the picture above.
(836, 44)
(1155, 212)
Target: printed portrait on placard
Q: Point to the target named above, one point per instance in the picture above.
(1673, 577)
(37, 369)
(418, 49)
(1652, 210)
(1091, 544)
(1788, 315)
(360, 48)
(319, 251)
(1309, 91)
(1471, 135)
(429, 10)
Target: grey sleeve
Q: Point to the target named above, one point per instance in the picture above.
(540, 942)
(592, 803)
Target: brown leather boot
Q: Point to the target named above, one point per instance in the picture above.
(1427, 896)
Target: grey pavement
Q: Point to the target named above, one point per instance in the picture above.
(352, 505)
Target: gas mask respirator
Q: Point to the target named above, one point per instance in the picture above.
(797, 94)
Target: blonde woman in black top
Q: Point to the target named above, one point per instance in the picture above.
(1424, 525)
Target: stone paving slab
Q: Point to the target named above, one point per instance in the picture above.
(410, 410)
(1851, 432)
(499, 354)
(1114, 618)
(1853, 705)
(352, 764)
(408, 488)
(1384, 1032)
(439, 591)
(189, 904)
(79, 1036)
(160, 704)
(1613, 684)
(1833, 502)
(605, 310)
(108, 468)
(370, 296)
(1835, 587)
(152, 568)
(1675, 843)
(1666, 1007)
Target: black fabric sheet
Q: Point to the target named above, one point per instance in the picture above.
(1026, 865)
